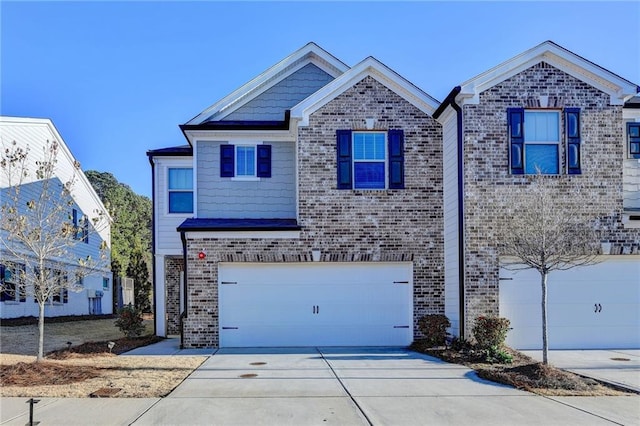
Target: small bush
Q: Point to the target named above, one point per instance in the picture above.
(130, 321)
(434, 328)
(461, 344)
(496, 355)
(490, 332)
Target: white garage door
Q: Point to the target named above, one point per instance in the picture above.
(313, 304)
(592, 307)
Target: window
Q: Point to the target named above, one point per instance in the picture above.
(181, 190)
(245, 161)
(59, 291)
(633, 136)
(370, 160)
(105, 283)
(12, 278)
(535, 138)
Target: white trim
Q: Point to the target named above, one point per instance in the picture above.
(310, 53)
(368, 67)
(229, 136)
(619, 89)
(243, 234)
(161, 298)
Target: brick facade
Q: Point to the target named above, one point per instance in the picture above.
(487, 177)
(349, 225)
(173, 266)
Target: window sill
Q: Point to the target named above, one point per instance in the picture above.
(246, 179)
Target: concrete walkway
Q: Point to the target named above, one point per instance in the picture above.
(344, 386)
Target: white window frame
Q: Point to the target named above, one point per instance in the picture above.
(245, 144)
(557, 143)
(354, 161)
(169, 190)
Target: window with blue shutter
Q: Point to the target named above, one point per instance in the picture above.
(13, 282)
(370, 160)
(245, 161)
(343, 150)
(227, 160)
(572, 125)
(633, 135)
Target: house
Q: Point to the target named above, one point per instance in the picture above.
(321, 204)
(95, 290)
(551, 108)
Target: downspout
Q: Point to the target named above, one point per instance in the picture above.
(183, 314)
(153, 245)
(461, 252)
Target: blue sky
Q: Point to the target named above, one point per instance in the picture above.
(117, 78)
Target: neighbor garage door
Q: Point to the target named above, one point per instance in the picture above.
(593, 307)
(316, 304)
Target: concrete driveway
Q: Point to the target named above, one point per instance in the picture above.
(348, 386)
(324, 386)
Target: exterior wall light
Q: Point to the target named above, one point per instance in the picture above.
(202, 254)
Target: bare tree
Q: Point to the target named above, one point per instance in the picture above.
(548, 230)
(40, 230)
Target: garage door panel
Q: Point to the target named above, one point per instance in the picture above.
(589, 307)
(355, 304)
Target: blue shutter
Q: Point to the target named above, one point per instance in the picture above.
(396, 159)
(572, 126)
(515, 117)
(227, 155)
(343, 148)
(3, 294)
(264, 161)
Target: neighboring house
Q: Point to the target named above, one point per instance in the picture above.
(326, 205)
(551, 108)
(96, 295)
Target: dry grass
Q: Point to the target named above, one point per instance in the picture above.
(88, 367)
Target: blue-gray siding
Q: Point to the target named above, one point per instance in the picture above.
(272, 104)
(268, 198)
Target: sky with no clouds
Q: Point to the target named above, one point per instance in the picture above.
(117, 78)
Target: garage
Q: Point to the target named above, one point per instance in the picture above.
(591, 307)
(315, 304)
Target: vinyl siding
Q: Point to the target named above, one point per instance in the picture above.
(450, 180)
(271, 104)
(631, 184)
(273, 197)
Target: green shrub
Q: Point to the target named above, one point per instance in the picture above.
(490, 331)
(434, 328)
(130, 321)
(497, 355)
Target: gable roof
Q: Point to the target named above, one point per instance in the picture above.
(368, 67)
(618, 88)
(310, 53)
(34, 132)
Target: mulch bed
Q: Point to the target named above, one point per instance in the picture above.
(523, 373)
(49, 372)
(16, 322)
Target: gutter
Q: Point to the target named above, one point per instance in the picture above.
(153, 244)
(451, 100)
(183, 314)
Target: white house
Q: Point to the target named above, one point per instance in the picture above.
(94, 295)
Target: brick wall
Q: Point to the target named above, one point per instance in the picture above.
(173, 266)
(487, 178)
(349, 225)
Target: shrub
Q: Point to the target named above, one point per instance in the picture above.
(490, 332)
(130, 321)
(496, 355)
(434, 328)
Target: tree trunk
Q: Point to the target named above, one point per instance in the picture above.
(545, 337)
(40, 332)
